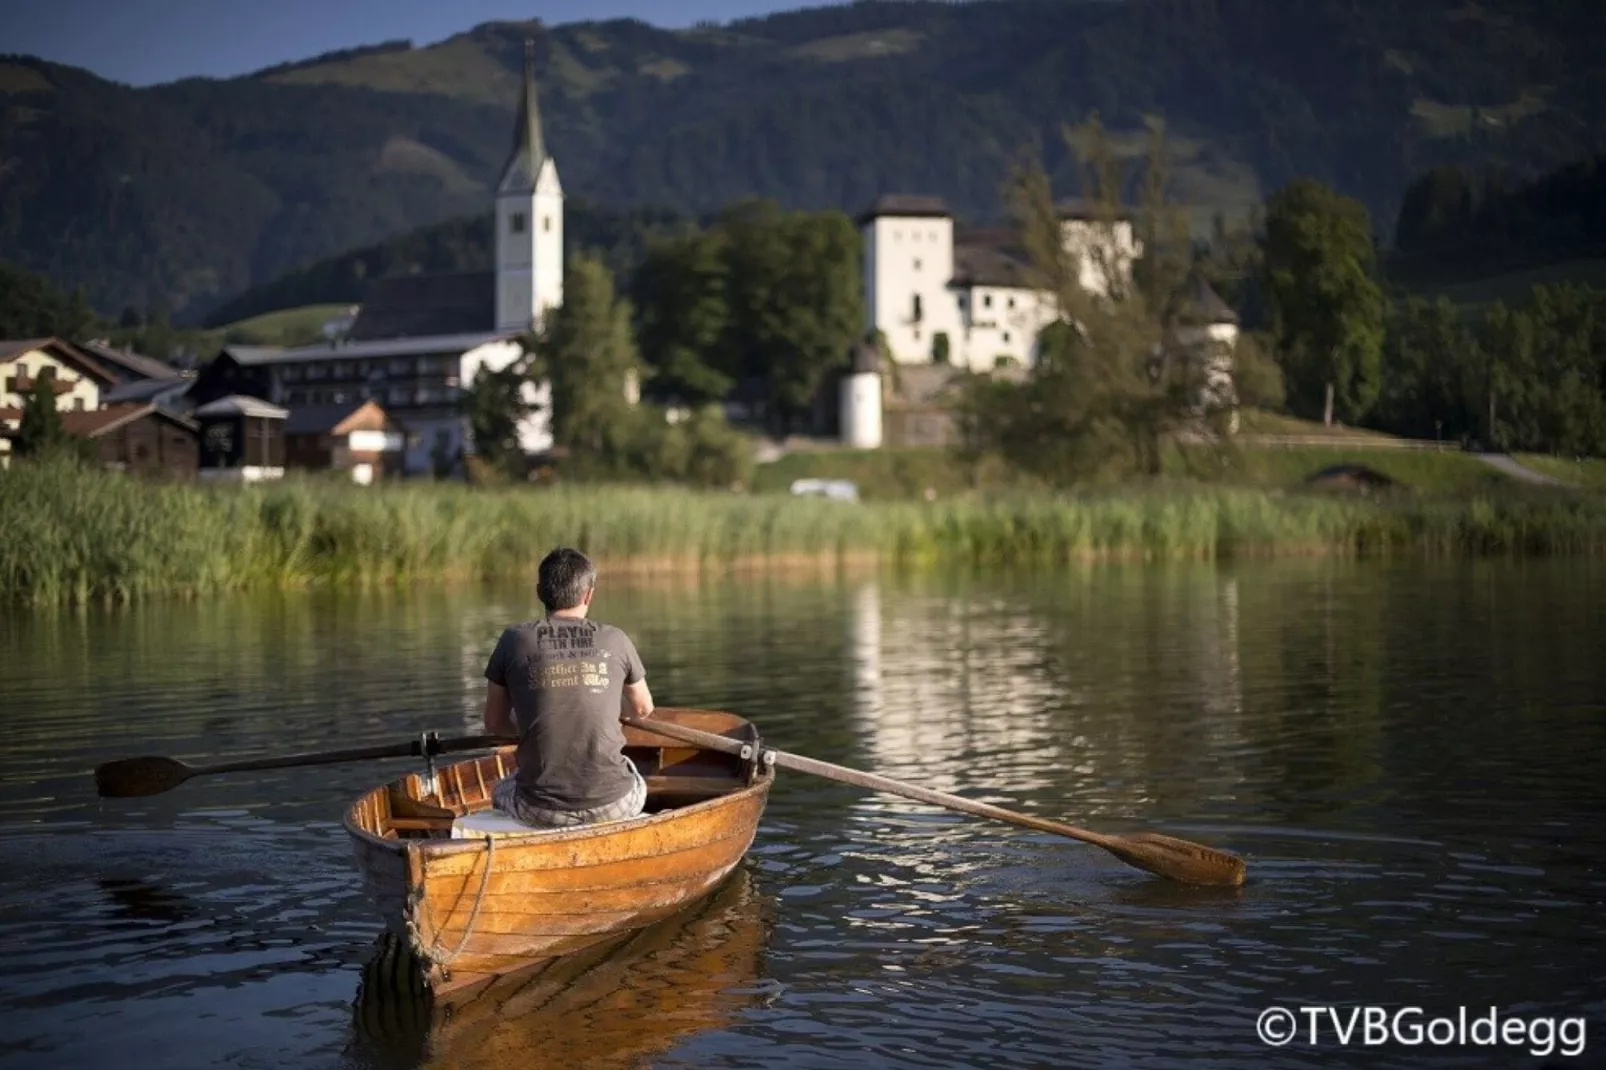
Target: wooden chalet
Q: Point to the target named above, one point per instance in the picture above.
(140, 439)
(356, 436)
(242, 439)
(76, 378)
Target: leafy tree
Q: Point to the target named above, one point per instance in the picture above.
(496, 403)
(587, 353)
(1108, 388)
(681, 290)
(30, 307)
(1327, 309)
(1539, 381)
(1426, 357)
(41, 434)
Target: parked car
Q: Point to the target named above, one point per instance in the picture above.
(841, 490)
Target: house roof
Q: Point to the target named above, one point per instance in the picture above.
(983, 265)
(135, 365)
(98, 422)
(414, 306)
(382, 347)
(1086, 209)
(147, 389)
(321, 419)
(62, 350)
(524, 163)
(1198, 303)
(914, 205)
(241, 405)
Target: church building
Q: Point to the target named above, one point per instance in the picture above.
(418, 340)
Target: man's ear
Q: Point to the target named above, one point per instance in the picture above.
(587, 600)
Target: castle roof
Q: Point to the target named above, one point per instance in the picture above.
(1197, 303)
(917, 206)
(523, 167)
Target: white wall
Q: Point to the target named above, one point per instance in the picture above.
(861, 411)
(906, 257)
(85, 392)
(529, 252)
(1121, 249)
(1002, 321)
(535, 430)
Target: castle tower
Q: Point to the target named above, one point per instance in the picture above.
(529, 220)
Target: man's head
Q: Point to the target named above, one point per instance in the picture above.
(567, 579)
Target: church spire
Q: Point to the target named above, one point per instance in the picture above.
(523, 167)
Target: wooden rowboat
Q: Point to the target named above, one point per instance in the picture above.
(478, 906)
(619, 1003)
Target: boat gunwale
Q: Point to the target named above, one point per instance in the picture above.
(761, 783)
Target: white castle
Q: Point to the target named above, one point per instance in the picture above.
(941, 295)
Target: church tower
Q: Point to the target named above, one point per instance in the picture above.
(529, 220)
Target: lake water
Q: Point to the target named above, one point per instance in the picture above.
(1411, 757)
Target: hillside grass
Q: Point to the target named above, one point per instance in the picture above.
(1588, 473)
(74, 535)
(286, 327)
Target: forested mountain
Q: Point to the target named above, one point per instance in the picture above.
(186, 194)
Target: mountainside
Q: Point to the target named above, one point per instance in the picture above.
(186, 194)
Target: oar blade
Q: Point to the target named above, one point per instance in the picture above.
(127, 778)
(1180, 860)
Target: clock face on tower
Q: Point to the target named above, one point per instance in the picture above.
(220, 439)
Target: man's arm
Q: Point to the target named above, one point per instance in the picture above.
(499, 711)
(637, 700)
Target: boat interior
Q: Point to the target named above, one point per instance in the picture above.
(427, 806)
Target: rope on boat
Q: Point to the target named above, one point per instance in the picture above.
(434, 952)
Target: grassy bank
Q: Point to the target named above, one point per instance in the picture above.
(70, 535)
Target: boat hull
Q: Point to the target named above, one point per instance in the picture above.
(473, 910)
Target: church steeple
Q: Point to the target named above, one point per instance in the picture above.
(529, 220)
(523, 167)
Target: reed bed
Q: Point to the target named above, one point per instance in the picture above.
(73, 535)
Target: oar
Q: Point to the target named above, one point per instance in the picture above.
(1167, 856)
(128, 777)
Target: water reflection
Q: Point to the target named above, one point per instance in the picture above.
(614, 1006)
(1408, 754)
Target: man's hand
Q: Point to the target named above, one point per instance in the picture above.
(637, 700)
(499, 711)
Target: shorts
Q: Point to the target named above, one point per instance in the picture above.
(505, 797)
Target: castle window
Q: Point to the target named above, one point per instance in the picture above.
(987, 301)
(78, 404)
(1006, 336)
(546, 224)
(515, 222)
(918, 311)
(1011, 302)
(917, 263)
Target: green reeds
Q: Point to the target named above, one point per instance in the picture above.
(71, 535)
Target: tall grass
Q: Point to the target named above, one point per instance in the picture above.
(68, 534)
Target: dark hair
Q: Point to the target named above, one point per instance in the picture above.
(566, 575)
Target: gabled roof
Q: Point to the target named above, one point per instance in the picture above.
(241, 405)
(147, 389)
(524, 163)
(62, 350)
(321, 419)
(98, 422)
(909, 205)
(414, 306)
(1197, 303)
(134, 365)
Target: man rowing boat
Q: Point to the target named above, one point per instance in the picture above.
(560, 684)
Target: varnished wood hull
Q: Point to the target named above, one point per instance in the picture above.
(473, 911)
(618, 1004)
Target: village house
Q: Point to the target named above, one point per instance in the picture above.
(76, 379)
(356, 437)
(242, 440)
(140, 439)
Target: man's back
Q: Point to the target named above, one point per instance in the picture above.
(566, 678)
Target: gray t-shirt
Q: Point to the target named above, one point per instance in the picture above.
(566, 678)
